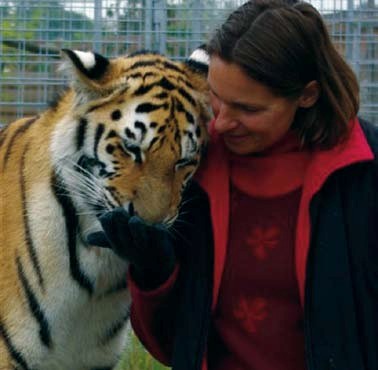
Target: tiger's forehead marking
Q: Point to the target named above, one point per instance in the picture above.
(139, 123)
(158, 106)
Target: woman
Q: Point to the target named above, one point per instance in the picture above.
(277, 263)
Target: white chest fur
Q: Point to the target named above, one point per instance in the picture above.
(83, 299)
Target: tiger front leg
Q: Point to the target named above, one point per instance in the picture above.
(6, 362)
(10, 358)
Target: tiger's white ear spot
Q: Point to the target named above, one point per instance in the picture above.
(86, 58)
(90, 64)
(199, 60)
(200, 55)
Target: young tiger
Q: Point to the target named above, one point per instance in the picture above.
(129, 132)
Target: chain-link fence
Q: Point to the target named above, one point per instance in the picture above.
(32, 32)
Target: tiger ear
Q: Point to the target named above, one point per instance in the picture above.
(197, 66)
(87, 63)
(199, 60)
(87, 71)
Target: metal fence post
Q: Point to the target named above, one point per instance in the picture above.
(160, 10)
(196, 24)
(97, 40)
(148, 24)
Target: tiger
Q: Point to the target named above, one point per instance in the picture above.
(129, 132)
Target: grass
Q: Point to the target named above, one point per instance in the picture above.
(136, 357)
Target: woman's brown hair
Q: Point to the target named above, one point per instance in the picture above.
(285, 45)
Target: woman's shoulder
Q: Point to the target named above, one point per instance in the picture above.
(371, 133)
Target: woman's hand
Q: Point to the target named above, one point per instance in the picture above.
(148, 248)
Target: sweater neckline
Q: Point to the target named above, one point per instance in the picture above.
(272, 173)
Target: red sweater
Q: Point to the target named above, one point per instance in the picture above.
(258, 316)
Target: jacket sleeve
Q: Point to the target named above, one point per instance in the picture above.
(152, 315)
(155, 314)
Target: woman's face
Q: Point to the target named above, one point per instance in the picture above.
(249, 117)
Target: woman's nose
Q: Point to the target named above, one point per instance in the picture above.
(225, 120)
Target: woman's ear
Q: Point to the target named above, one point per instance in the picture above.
(309, 95)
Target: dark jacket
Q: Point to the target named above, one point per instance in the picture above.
(341, 287)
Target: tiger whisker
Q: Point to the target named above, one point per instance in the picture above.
(86, 186)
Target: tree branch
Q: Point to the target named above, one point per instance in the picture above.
(32, 47)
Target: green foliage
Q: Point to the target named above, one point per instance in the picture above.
(136, 357)
(49, 22)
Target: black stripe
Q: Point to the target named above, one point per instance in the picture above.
(166, 84)
(34, 307)
(187, 96)
(178, 137)
(180, 107)
(163, 83)
(80, 133)
(153, 141)
(114, 193)
(129, 133)
(135, 75)
(162, 95)
(143, 63)
(96, 106)
(135, 150)
(170, 65)
(189, 117)
(20, 130)
(14, 354)
(112, 133)
(104, 368)
(187, 83)
(144, 89)
(28, 238)
(99, 131)
(187, 162)
(172, 109)
(161, 129)
(160, 143)
(114, 330)
(148, 107)
(198, 131)
(192, 140)
(72, 228)
(142, 127)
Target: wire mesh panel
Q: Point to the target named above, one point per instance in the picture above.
(32, 32)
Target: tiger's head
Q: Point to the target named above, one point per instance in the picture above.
(132, 132)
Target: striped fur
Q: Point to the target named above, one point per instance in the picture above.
(129, 132)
